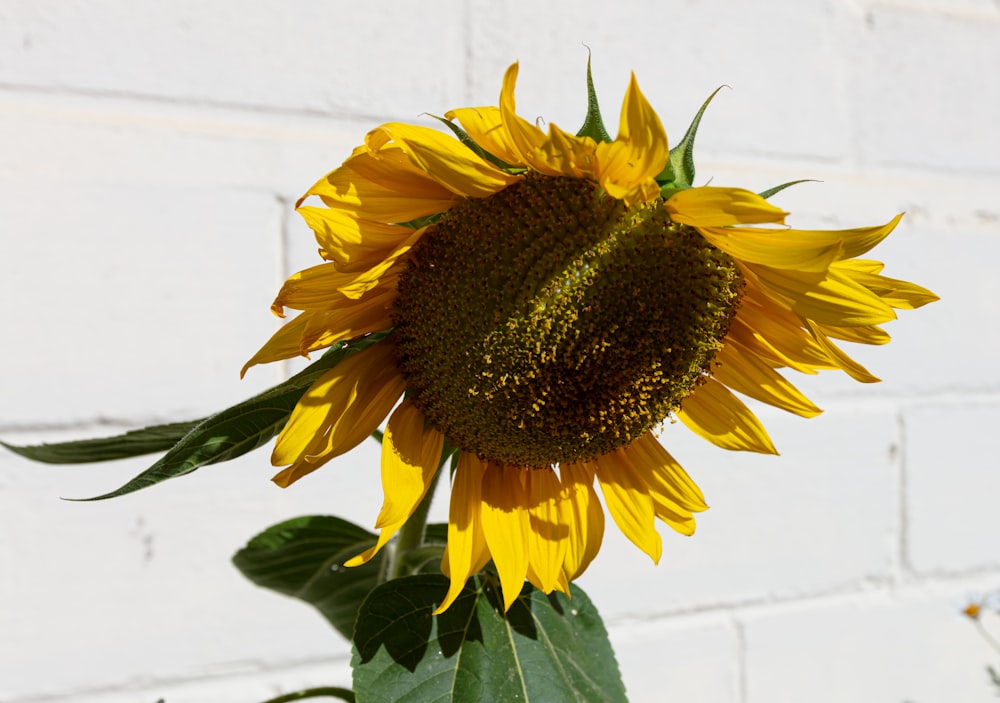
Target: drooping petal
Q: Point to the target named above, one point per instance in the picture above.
(713, 206)
(586, 517)
(629, 502)
(466, 552)
(548, 528)
(637, 155)
(411, 450)
(443, 158)
(505, 526)
(338, 412)
(745, 372)
(720, 417)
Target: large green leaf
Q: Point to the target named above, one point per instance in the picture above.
(304, 558)
(241, 428)
(148, 440)
(546, 649)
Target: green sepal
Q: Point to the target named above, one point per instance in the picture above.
(464, 137)
(593, 125)
(777, 189)
(422, 221)
(678, 174)
(148, 440)
(304, 558)
(546, 648)
(241, 428)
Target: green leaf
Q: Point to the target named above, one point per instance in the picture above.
(148, 440)
(679, 172)
(304, 558)
(593, 125)
(241, 428)
(777, 189)
(547, 649)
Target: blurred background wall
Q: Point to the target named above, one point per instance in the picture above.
(150, 156)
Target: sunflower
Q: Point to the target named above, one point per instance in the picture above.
(550, 299)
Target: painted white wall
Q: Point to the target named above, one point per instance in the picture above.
(149, 156)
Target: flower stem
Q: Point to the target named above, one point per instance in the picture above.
(326, 691)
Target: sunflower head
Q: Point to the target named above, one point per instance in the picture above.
(553, 297)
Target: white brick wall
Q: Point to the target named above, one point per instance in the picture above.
(149, 153)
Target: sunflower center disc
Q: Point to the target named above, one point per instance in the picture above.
(548, 323)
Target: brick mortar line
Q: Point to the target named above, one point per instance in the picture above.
(136, 100)
(155, 685)
(857, 592)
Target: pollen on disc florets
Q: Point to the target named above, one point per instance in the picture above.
(549, 323)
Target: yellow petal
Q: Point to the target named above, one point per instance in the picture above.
(712, 206)
(484, 125)
(745, 372)
(629, 502)
(505, 526)
(443, 158)
(776, 334)
(662, 473)
(355, 244)
(548, 531)
(349, 319)
(720, 417)
(338, 412)
(901, 295)
(411, 451)
(830, 297)
(666, 505)
(638, 154)
(283, 344)
(527, 139)
(585, 517)
(868, 334)
(805, 250)
(843, 361)
(384, 189)
(466, 552)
